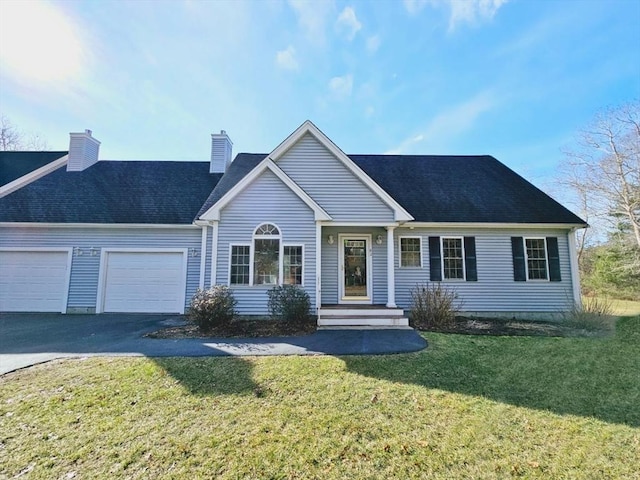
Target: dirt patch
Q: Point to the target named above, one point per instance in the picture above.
(248, 328)
(509, 327)
(265, 327)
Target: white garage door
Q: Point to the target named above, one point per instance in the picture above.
(144, 282)
(34, 281)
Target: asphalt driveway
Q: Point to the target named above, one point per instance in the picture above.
(28, 339)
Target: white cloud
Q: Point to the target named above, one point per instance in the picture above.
(461, 11)
(414, 6)
(39, 44)
(348, 23)
(312, 18)
(448, 124)
(373, 43)
(286, 58)
(341, 87)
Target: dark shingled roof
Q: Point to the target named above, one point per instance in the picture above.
(14, 165)
(435, 188)
(114, 192)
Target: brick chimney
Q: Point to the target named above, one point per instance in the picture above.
(221, 148)
(83, 151)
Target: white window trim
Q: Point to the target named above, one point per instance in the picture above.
(301, 245)
(280, 253)
(526, 259)
(234, 285)
(464, 256)
(400, 251)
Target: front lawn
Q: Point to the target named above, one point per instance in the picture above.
(466, 407)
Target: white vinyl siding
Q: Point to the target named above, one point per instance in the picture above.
(495, 290)
(266, 200)
(331, 184)
(34, 281)
(85, 267)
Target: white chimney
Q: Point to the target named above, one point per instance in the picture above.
(221, 147)
(83, 151)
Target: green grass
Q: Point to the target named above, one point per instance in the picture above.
(467, 407)
(625, 307)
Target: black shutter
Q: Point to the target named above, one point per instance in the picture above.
(554, 259)
(435, 267)
(471, 269)
(517, 251)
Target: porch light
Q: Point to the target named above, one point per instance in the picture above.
(379, 239)
(330, 239)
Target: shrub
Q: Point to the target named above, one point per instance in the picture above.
(213, 307)
(289, 303)
(595, 314)
(433, 305)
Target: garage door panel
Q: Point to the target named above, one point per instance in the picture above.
(34, 281)
(144, 282)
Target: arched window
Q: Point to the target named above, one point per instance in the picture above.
(266, 260)
(266, 255)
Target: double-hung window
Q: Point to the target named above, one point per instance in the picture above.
(452, 258)
(292, 263)
(536, 258)
(240, 264)
(536, 253)
(410, 252)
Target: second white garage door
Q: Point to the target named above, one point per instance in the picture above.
(144, 282)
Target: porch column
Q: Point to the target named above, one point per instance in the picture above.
(214, 252)
(391, 276)
(318, 264)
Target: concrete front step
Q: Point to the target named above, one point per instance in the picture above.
(362, 321)
(361, 312)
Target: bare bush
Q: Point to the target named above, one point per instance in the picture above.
(433, 305)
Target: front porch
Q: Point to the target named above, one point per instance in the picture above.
(358, 316)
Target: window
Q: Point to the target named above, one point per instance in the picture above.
(536, 259)
(266, 255)
(457, 260)
(410, 252)
(240, 260)
(536, 253)
(452, 258)
(292, 263)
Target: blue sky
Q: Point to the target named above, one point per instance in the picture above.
(515, 79)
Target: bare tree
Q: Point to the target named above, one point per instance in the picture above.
(603, 169)
(13, 139)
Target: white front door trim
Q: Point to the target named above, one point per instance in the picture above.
(342, 298)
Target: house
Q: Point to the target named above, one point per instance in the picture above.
(356, 232)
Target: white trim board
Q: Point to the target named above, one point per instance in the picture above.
(33, 176)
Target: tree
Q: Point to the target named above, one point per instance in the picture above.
(13, 139)
(603, 169)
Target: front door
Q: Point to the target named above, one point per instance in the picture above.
(355, 269)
